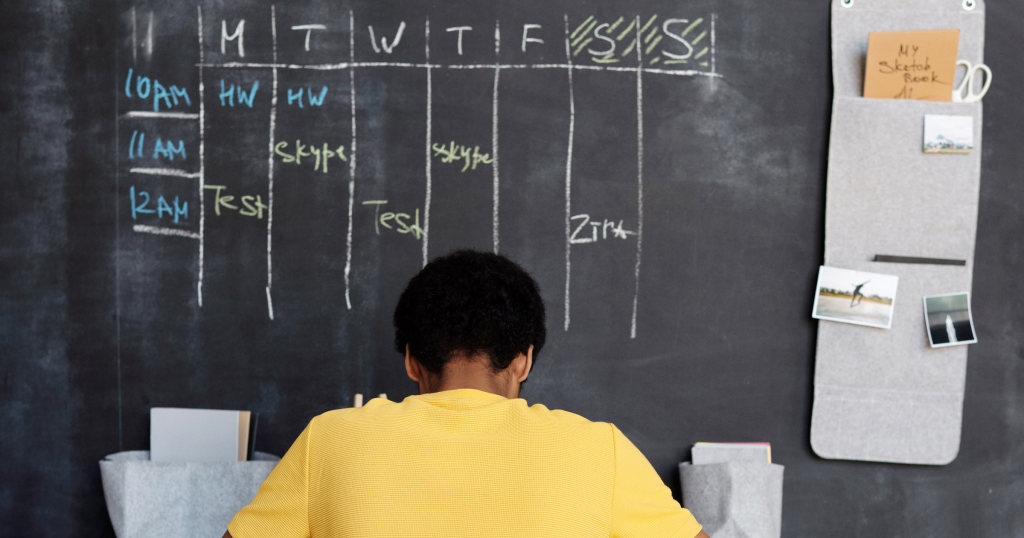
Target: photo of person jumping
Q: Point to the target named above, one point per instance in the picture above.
(857, 295)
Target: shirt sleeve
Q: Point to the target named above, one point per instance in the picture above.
(281, 507)
(641, 504)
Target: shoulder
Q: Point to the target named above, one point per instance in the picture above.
(349, 426)
(570, 420)
(559, 415)
(373, 409)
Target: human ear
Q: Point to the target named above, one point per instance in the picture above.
(522, 365)
(413, 368)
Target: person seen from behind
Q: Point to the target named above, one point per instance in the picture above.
(467, 457)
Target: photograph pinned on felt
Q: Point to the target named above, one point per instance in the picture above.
(948, 320)
(948, 134)
(856, 297)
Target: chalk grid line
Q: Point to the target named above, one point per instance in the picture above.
(569, 65)
(568, 174)
(426, 202)
(173, 172)
(161, 230)
(202, 163)
(352, 157)
(161, 115)
(639, 176)
(496, 184)
(270, 167)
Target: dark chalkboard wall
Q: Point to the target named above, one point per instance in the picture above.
(680, 310)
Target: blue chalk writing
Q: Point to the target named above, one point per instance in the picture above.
(316, 101)
(168, 150)
(176, 92)
(161, 94)
(131, 145)
(295, 96)
(161, 206)
(229, 93)
(178, 212)
(138, 87)
(247, 98)
(139, 208)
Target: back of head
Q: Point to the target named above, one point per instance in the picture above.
(470, 304)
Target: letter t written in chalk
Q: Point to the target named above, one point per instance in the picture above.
(459, 29)
(309, 29)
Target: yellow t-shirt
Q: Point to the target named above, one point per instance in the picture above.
(461, 463)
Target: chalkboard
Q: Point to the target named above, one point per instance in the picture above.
(658, 166)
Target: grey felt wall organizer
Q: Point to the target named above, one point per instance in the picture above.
(736, 499)
(151, 499)
(885, 395)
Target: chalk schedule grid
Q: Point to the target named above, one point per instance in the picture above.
(279, 138)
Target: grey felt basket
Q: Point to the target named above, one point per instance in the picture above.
(736, 499)
(178, 499)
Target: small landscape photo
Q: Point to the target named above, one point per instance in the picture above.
(948, 134)
(949, 320)
(855, 297)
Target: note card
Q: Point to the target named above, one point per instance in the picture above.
(916, 65)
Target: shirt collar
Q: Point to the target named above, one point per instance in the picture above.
(460, 398)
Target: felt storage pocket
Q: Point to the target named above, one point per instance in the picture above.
(885, 395)
(171, 499)
(736, 499)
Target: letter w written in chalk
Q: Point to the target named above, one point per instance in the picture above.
(384, 40)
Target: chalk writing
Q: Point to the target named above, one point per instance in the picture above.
(616, 46)
(166, 150)
(321, 155)
(227, 95)
(140, 205)
(454, 152)
(252, 206)
(309, 29)
(384, 40)
(401, 224)
(602, 40)
(144, 89)
(314, 99)
(598, 230)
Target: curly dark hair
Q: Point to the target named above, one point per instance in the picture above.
(469, 303)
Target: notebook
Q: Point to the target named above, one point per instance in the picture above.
(178, 434)
(723, 452)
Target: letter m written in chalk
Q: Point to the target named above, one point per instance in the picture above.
(239, 35)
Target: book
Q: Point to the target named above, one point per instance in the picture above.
(177, 434)
(722, 452)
